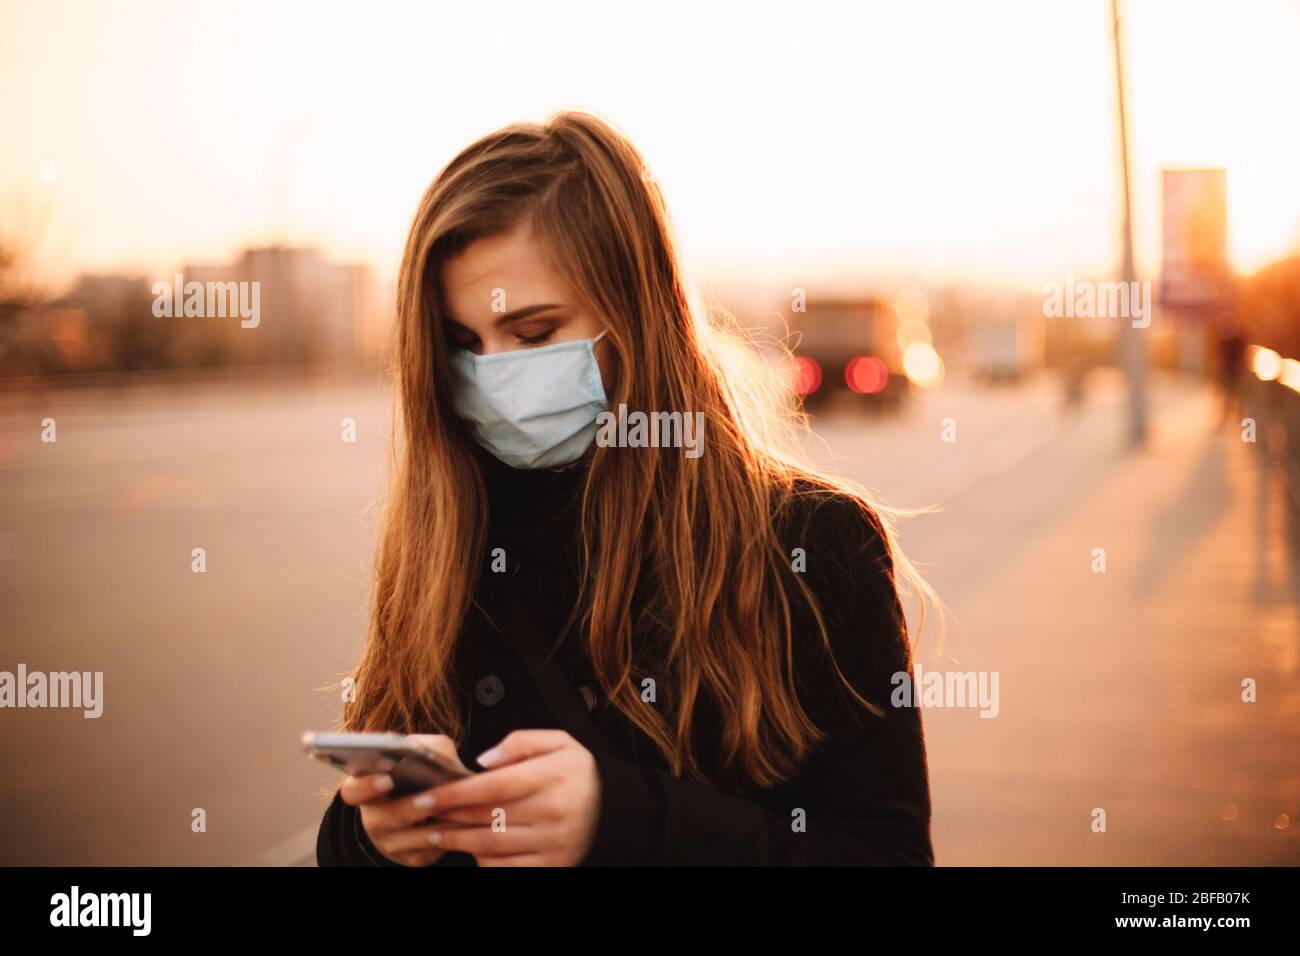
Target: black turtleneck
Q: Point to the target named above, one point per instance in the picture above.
(533, 517)
(863, 792)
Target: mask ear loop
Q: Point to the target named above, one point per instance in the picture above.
(591, 343)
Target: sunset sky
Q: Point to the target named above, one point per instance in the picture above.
(802, 141)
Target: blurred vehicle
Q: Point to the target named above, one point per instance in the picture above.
(1006, 344)
(847, 349)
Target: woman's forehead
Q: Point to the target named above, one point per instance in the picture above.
(497, 274)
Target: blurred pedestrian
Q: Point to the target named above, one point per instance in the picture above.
(1231, 363)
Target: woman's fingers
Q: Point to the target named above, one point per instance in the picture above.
(539, 807)
(522, 744)
(422, 858)
(520, 859)
(399, 812)
(483, 842)
(493, 788)
(440, 744)
(514, 814)
(415, 840)
(365, 789)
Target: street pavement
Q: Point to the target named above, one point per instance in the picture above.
(1119, 691)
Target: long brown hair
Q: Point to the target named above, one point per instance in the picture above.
(700, 533)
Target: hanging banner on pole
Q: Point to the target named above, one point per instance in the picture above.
(1194, 266)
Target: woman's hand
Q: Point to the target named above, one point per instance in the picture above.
(537, 805)
(398, 827)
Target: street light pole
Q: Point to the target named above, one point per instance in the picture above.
(1132, 347)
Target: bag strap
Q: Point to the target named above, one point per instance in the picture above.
(521, 632)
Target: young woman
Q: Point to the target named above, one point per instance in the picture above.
(668, 650)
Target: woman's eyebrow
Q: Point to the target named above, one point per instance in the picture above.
(525, 312)
(509, 317)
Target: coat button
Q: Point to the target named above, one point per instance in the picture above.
(489, 690)
(588, 696)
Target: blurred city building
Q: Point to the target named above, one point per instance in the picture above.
(313, 313)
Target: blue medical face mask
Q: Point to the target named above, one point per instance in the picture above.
(532, 408)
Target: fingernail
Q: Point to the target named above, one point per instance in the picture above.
(425, 800)
(488, 757)
(435, 837)
(383, 782)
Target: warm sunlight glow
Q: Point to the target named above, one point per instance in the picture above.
(984, 149)
(1290, 374)
(923, 365)
(1266, 364)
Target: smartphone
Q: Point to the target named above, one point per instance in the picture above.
(412, 767)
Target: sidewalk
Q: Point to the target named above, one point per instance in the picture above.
(1122, 690)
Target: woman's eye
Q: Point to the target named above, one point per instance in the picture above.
(535, 339)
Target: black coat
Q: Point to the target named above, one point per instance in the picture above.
(864, 792)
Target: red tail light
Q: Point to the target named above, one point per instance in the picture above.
(808, 375)
(866, 375)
